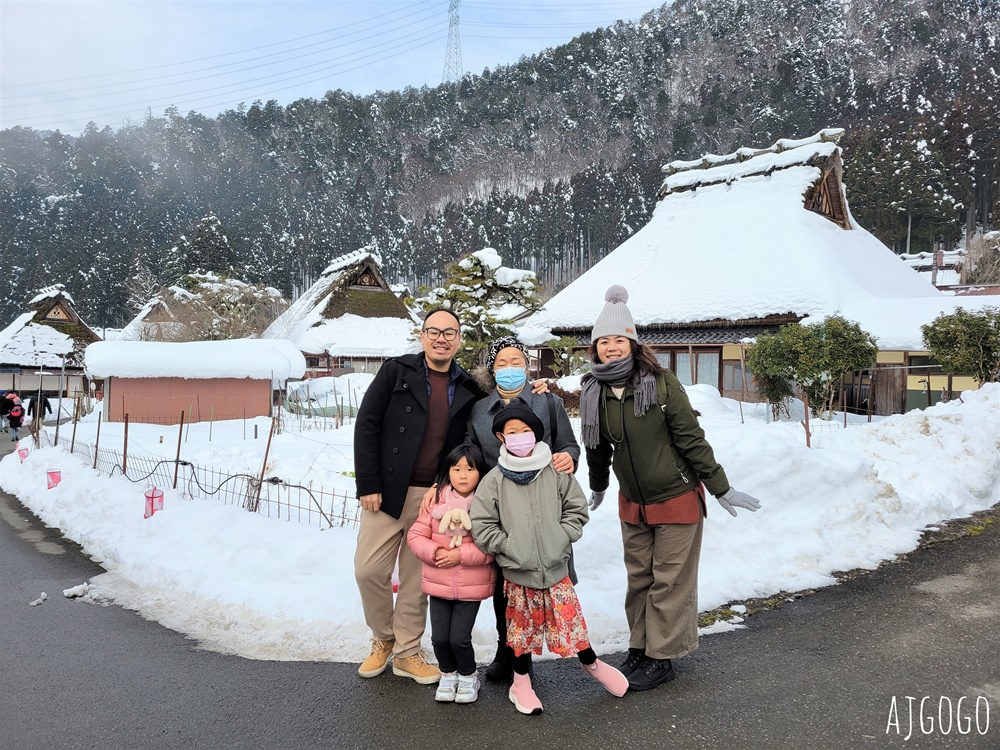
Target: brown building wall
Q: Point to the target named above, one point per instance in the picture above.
(161, 400)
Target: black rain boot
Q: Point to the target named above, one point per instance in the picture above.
(502, 668)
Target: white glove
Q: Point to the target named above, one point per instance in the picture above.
(733, 499)
(596, 498)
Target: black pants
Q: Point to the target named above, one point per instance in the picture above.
(500, 600)
(451, 634)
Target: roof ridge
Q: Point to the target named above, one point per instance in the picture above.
(708, 160)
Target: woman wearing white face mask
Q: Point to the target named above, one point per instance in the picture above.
(505, 380)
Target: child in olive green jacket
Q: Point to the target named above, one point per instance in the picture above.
(528, 515)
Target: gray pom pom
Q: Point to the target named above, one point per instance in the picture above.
(616, 293)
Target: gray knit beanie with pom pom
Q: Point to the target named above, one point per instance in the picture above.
(615, 319)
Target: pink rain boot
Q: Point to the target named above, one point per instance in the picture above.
(523, 696)
(614, 681)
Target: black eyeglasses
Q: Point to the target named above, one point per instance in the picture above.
(450, 334)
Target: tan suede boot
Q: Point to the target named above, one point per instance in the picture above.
(416, 668)
(377, 660)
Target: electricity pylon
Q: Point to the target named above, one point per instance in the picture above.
(453, 59)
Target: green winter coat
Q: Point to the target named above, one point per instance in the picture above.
(658, 456)
(529, 527)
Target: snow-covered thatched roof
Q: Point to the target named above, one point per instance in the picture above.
(51, 330)
(259, 359)
(349, 311)
(747, 238)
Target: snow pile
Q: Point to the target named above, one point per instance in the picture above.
(33, 345)
(235, 358)
(250, 585)
(50, 292)
(331, 390)
(353, 335)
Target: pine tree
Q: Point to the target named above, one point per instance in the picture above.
(485, 295)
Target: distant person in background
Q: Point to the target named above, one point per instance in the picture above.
(6, 404)
(37, 412)
(14, 419)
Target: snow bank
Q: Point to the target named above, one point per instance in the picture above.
(263, 588)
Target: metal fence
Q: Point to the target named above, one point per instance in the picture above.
(271, 497)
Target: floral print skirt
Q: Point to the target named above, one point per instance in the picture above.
(552, 614)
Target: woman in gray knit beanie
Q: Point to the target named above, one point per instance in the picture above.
(636, 418)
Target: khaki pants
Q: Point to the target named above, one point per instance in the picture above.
(661, 604)
(380, 538)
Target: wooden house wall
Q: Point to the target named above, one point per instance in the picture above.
(161, 400)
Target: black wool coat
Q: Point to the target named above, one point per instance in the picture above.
(390, 426)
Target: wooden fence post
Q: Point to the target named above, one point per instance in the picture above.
(76, 418)
(263, 468)
(805, 423)
(177, 462)
(97, 440)
(125, 449)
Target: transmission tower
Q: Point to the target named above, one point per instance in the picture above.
(453, 59)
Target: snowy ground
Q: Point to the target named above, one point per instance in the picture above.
(269, 589)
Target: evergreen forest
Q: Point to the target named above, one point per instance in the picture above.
(553, 161)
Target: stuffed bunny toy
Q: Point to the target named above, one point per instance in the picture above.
(454, 521)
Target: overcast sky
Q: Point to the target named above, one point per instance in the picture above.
(64, 63)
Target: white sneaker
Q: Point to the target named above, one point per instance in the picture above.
(447, 687)
(468, 688)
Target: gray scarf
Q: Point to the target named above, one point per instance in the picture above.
(615, 374)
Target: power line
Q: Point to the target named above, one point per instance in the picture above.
(416, 19)
(105, 91)
(237, 52)
(118, 111)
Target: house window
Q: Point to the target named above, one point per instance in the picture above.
(922, 365)
(732, 377)
(312, 362)
(705, 370)
(666, 359)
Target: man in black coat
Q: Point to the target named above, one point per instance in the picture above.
(6, 402)
(413, 413)
(44, 407)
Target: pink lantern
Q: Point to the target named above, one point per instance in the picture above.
(156, 496)
(22, 453)
(54, 477)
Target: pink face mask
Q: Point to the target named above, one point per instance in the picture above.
(520, 444)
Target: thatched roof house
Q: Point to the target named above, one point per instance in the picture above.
(43, 339)
(349, 320)
(741, 244)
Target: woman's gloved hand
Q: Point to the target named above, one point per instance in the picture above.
(733, 499)
(596, 498)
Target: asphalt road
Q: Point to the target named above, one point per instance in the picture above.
(819, 672)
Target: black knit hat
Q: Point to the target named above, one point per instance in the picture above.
(517, 409)
(502, 343)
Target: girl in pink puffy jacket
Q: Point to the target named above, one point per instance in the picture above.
(456, 576)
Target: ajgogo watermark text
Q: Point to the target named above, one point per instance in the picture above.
(938, 715)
